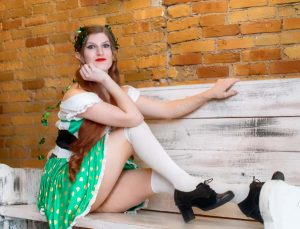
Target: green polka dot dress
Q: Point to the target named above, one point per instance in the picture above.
(59, 199)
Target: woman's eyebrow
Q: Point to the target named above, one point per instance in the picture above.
(89, 42)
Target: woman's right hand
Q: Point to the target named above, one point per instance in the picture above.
(90, 72)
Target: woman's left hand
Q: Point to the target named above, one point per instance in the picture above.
(221, 90)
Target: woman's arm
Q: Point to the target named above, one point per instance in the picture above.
(180, 107)
(125, 114)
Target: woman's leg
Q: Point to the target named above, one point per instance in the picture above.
(131, 189)
(141, 183)
(118, 150)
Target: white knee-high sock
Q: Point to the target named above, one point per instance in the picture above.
(160, 185)
(152, 153)
(170, 174)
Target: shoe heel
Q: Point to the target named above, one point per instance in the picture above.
(187, 213)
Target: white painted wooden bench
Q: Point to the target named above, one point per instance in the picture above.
(251, 134)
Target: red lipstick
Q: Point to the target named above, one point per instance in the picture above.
(100, 59)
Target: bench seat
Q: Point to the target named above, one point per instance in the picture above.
(144, 219)
(249, 135)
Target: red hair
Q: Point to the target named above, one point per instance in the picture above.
(91, 132)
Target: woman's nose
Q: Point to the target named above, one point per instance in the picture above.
(99, 51)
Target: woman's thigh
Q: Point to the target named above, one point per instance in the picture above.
(118, 150)
(131, 189)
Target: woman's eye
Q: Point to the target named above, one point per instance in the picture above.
(106, 45)
(91, 46)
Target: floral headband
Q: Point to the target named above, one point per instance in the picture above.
(81, 35)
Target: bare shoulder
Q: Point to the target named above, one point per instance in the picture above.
(74, 90)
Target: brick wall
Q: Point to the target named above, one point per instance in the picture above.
(162, 43)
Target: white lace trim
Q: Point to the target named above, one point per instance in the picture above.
(133, 93)
(62, 153)
(62, 125)
(76, 105)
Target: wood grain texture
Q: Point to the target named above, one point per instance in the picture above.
(144, 220)
(251, 134)
(269, 98)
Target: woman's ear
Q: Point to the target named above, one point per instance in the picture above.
(79, 57)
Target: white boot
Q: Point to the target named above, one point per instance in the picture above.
(279, 205)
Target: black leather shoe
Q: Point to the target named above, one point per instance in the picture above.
(202, 197)
(250, 206)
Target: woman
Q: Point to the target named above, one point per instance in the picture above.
(101, 127)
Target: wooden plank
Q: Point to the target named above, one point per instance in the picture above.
(236, 167)
(142, 220)
(230, 168)
(18, 186)
(269, 98)
(229, 134)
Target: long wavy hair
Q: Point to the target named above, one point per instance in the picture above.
(90, 132)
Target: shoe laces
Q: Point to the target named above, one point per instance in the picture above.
(256, 180)
(208, 181)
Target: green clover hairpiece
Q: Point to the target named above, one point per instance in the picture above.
(79, 39)
(108, 27)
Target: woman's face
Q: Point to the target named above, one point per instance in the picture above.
(97, 50)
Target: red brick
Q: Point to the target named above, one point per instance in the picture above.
(236, 43)
(172, 2)
(136, 4)
(18, 13)
(32, 42)
(92, 2)
(22, 119)
(30, 107)
(138, 76)
(250, 69)
(221, 30)
(182, 23)
(274, 2)
(211, 20)
(84, 12)
(14, 4)
(13, 108)
(19, 97)
(221, 58)
(10, 86)
(148, 38)
(67, 4)
(45, 8)
(21, 33)
(151, 61)
(126, 65)
(7, 131)
(147, 13)
(281, 67)
(186, 59)
(5, 120)
(33, 84)
(291, 23)
(213, 71)
(184, 35)
(261, 54)
(6, 76)
(123, 18)
(11, 24)
(209, 7)
(179, 11)
(261, 27)
(248, 3)
(138, 27)
(193, 46)
(37, 20)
